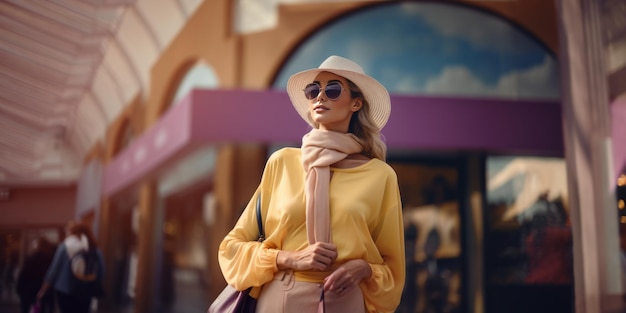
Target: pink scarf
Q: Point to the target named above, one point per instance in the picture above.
(320, 149)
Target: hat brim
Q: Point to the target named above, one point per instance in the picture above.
(374, 93)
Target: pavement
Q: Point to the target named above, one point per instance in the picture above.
(189, 299)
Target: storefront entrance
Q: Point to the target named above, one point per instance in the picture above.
(435, 254)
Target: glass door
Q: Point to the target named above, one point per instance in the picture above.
(528, 236)
(434, 254)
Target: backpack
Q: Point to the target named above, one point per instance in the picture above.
(84, 265)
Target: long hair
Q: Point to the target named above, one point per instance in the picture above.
(79, 228)
(362, 126)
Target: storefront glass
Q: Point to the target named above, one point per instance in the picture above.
(182, 192)
(528, 236)
(434, 254)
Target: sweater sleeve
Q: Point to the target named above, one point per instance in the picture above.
(244, 261)
(383, 289)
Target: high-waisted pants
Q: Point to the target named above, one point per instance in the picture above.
(285, 295)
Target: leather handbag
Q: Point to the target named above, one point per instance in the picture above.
(232, 300)
(35, 308)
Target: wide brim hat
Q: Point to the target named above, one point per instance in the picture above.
(374, 92)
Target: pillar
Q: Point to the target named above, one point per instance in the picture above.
(588, 153)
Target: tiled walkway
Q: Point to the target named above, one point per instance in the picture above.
(189, 300)
(181, 308)
(189, 297)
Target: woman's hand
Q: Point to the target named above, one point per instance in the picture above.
(347, 276)
(319, 256)
(42, 291)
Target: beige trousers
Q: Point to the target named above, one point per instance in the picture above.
(285, 295)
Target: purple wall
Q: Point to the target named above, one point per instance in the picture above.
(521, 127)
(516, 127)
(421, 123)
(159, 145)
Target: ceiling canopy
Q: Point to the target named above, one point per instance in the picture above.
(67, 68)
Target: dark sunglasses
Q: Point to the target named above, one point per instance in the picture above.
(332, 90)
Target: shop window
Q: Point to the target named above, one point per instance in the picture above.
(620, 193)
(528, 237)
(434, 260)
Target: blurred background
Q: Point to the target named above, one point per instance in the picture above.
(152, 121)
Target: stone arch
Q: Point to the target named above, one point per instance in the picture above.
(180, 79)
(516, 75)
(121, 132)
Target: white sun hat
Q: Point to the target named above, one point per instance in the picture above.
(373, 91)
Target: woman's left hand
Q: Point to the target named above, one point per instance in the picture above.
(347, 276)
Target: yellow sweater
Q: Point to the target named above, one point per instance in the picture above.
(366, 223)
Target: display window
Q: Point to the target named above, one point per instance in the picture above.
(528, 235)
(432, 219)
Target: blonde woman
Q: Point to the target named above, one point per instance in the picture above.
(331, 209)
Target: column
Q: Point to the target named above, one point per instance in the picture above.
(148, 248)
(588, 153)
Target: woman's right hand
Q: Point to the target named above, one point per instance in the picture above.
(42, 291)
(319, 256)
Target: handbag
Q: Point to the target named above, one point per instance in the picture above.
(35, 308)
(231, 300)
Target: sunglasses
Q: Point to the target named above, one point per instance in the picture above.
(332, 90)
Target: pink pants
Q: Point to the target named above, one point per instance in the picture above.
(285, 295)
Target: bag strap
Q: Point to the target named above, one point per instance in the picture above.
(259, 219)
(321, 307)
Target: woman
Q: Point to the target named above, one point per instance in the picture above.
(74, 293)
(343, 236)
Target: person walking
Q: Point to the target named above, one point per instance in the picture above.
(77, 270)
(31, 276)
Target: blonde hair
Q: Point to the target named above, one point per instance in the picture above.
(362, 126)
